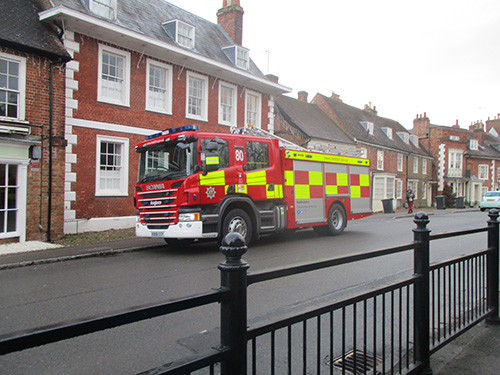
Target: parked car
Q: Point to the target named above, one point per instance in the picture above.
(490, 200)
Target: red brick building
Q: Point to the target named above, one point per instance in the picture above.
(139, 67)
(32, 145)
(468, 160)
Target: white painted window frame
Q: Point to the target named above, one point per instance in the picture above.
(258, 114)
(234, 107)
(125, 97)
(123, 190)
(21, 110)
(203, 116)
(380, 160)
(167, 107)
(99, 8)
(399, 188)
(22, 178)
(179, 37)
(482, 171)
(400, 162)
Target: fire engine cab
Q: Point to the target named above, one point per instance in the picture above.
(197, 185)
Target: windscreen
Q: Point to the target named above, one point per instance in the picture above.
(492, 194)
(168, 161)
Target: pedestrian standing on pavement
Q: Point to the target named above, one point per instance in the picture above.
(410, 197)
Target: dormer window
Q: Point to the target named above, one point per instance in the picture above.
(181, 32)
(473, 144)
(414, 140)
(405, 137)
(239, 56)
(387, 132)
(103, 8)
(368, 126)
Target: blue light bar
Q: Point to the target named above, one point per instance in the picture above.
(184, 128)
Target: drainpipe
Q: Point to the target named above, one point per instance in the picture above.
(51, 110)
(407, 172)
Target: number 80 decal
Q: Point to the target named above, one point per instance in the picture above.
(239, 155)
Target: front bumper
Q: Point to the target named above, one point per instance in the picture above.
(185, 229)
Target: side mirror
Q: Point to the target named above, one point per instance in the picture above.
(209, 162)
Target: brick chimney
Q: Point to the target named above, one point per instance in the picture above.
(478, 131)
(478, 126)
(302, 95)
(230, 17)
(273, 78)
(421, 125)
(369, 108)
(335, 97)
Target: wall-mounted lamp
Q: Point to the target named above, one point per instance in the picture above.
(35, 152)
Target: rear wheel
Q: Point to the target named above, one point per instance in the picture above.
(337, 219)
(238, 221)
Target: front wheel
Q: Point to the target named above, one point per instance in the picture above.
(337, 219)
(238, 221)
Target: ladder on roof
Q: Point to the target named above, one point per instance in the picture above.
(251, 130)
(326, 149)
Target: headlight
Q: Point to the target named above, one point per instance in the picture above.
(189, 217)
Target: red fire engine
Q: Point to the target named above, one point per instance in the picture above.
(198, 185)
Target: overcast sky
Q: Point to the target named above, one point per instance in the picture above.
(441, 57)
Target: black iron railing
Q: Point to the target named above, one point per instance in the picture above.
(392, 329)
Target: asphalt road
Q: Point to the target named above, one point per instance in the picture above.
(46, 294)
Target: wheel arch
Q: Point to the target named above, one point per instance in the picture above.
(243, 202)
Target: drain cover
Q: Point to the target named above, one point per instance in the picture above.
(357, 362)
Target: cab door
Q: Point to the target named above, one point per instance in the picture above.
(263, 175)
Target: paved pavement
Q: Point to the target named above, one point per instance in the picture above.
(475, 352)
(33, 253)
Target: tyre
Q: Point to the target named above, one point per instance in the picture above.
(483, 209)
(337, 219)
(179, 242)
(238, 221)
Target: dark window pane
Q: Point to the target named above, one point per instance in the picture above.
(11, 221)
(12, 175)
(12, 111)
(2, 198)
(2, 174)
(11, 198)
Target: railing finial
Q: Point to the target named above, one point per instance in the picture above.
(233, 247)
(421, 219)
(493, 214)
